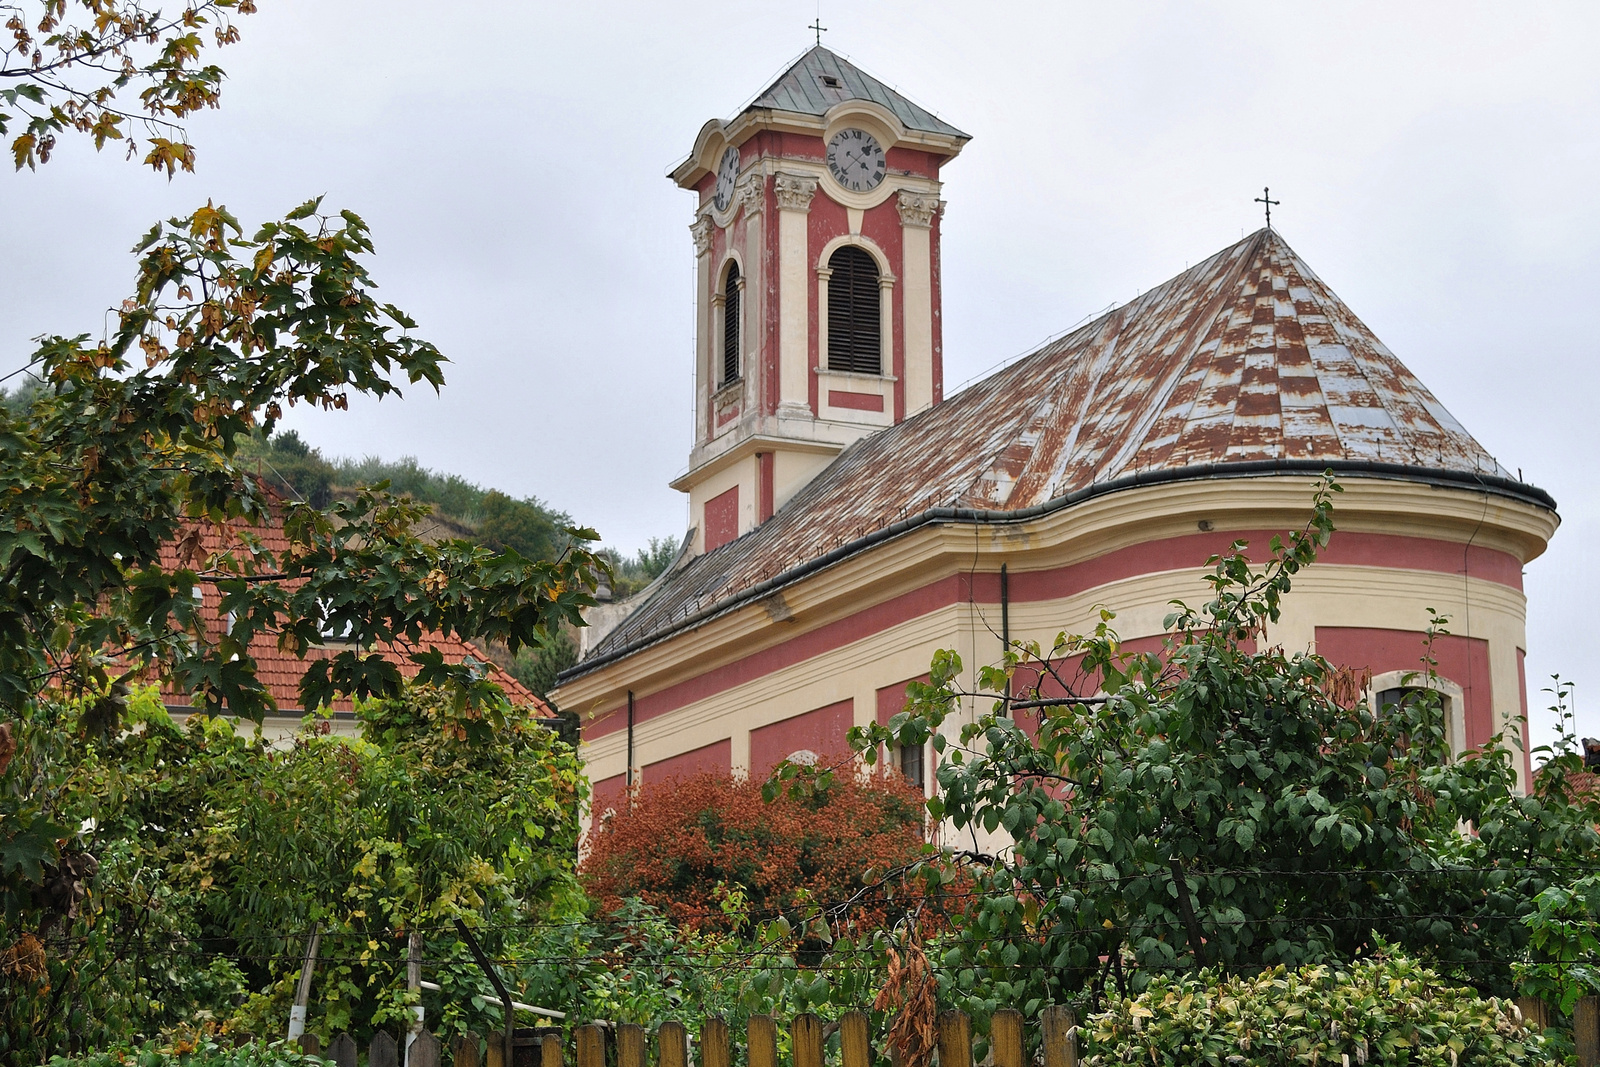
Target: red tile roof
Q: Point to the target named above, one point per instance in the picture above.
(280, 671)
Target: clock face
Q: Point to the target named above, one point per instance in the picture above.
(727, 171)
(856, 159)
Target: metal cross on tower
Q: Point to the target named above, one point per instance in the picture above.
(819, 27)
(1266, 198)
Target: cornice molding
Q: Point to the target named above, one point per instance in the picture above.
(918, 548)
(794, 191)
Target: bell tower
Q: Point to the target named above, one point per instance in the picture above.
(816, 236)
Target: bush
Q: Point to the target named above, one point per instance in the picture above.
(206, 856)
(1389, 1010)
(195, 1052)
(683, 844)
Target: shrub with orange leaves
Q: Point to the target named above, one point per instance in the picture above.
(678, 840)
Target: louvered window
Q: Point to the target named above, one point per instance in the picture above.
(854, 339)
(730, 325)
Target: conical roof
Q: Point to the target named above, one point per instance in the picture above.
(1245, 364)
(820, 79)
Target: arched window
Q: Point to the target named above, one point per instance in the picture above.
(730, 325)
(855, 342)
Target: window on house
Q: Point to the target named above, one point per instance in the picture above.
(911, 765)
(730, 325)
(1393, 698)
(854, 338)
(1406, 695)
(334, 630)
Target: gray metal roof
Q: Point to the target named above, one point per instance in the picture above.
(802, 89)
(1247, 363)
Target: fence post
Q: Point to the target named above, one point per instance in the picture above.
(343, 1051)
(1535, 1015)
(550, 1048)
(855, 1041)
(630, 1045)
(1060, 1037)
(673, 1042)
(302, 992)
(806, 1034)
(763, 1041)
(1005, 1032)
(463, 1051)
(310, 1044)
(714, 1042)
(423, 1050)
(955, 1039)
(591, 1046)
(383, 1052)
(414, 987)
(1586, 1030)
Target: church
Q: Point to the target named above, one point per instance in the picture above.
(848, 519)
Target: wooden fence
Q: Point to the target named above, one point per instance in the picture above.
(547, 1046)
(808, 1035)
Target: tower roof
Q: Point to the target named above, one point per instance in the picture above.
(1246, 364)
(820, 79)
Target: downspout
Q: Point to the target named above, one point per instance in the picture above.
(630, 739)
(1005, 626)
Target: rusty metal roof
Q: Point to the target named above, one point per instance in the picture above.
(820, 79)
(1245, 364)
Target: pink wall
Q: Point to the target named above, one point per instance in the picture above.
(822, 731)
(1172, 553)
(716, 757)
(722, 518)
(1462, 660)
(608, 793)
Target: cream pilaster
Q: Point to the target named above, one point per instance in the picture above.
(751, 289)
(704, 376)
(917, 212)
(793, 193)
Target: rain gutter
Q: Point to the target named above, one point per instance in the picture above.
(1256, 468)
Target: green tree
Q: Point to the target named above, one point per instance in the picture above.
(216, 854)
(1227, 804)
(135, 440)
(537, 668)
(519, 526)
(66, 60)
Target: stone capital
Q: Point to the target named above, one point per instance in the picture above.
(918, 209)
(700, 230)
(794, 191)
(748, 192)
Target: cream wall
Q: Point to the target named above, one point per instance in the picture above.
(1325, 594)
(744, 473)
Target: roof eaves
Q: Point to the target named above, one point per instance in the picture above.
(1501, 486)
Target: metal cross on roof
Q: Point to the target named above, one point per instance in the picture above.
(1266, 198)
(819, 27)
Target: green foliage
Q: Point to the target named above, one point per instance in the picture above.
(116, 846)
(1565, 926)
(213, 854)
(67, 59)
(1219, 803)
(194, 1052)
(1389, 1010)
(495, 520)
(99, 474)
(20, 397)
(632, 573)
(537, 667)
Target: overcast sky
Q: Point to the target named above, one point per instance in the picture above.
(1437, 165)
